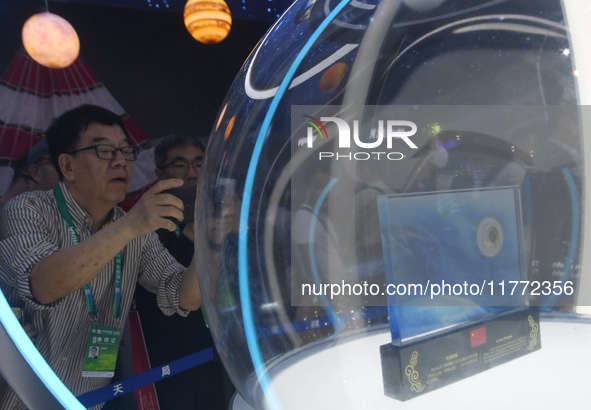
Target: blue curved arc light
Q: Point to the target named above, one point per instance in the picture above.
(34, 359)
(575, 231)
(245, 301)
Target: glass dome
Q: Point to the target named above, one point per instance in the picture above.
(465, 165)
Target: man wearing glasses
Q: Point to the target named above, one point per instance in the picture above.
(74, 257)
(179, 156)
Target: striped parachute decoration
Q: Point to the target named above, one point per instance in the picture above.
(31, 96)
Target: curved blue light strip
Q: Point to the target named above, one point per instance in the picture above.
(34, 359)
(333, 317)
(245, 302)
(574, 236)
(575, 228)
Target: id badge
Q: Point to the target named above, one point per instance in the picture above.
(101, 351)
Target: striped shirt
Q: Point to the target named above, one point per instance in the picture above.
(31, 229)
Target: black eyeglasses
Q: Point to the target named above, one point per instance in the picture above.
(109, 152)
(182, 166)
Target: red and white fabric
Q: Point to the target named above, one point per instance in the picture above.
(31, 96)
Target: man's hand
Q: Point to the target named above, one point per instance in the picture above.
(152, 210)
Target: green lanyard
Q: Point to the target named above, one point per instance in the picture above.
(92, 312)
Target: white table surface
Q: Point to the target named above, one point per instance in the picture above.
(349, 376)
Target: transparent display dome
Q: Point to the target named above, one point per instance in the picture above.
(370, 152)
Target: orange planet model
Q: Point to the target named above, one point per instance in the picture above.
(333, 77)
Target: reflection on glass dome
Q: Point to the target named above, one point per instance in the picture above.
(291, 210)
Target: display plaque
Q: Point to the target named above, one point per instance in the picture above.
(409, 371)
(457, 286)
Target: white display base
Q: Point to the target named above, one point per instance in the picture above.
(349, 376)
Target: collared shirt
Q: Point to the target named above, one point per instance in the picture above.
(31, 229)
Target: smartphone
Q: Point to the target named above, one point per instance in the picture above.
(187, 195)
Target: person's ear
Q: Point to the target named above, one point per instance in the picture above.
(65, 163)
(159, 173)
